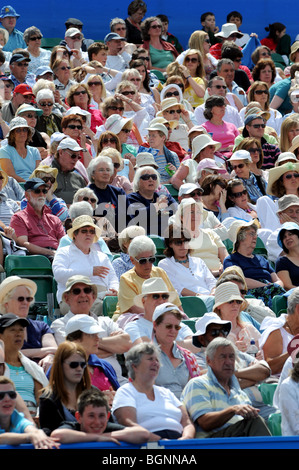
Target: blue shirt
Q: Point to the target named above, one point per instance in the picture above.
(18, 423)
(15, 41)
(256, 268)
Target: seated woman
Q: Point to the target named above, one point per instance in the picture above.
(72, 125)
(28, 377)
(228, 305)
(214, 195)
(240, 164)
(141, 401)
(123, 263)
(111, 140)
(48, 122)
(16, 296)
(287, 266)
(237, 201)
(146, 205)
(117, 180)
(261, 278)
(69, 376)
(8, 206)
(253, 146)
(79, 95)
(174, 110)
(189, 275)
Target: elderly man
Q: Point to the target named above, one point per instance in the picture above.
(73, 42)
(21, 94)
(226, 69)
(75, 23)
(217, 86)
(80, 294)
(8, 20)
(18, 66)
(36, 229)
(116, 59)
(254, 126)
(215, 401)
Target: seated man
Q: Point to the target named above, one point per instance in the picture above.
(15, 429)
(80, 294)
(93, 424)
(215, 401)
(116, 59)
(36, 229)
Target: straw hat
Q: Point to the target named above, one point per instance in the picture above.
(226, 292)
(10, 282)
(235, 270)
(5, 177)
(145, 159)
(19, 122)
(84, 221)
(154, 285)
(238, 225)
(276, 172)
(295, 144)
(51, 171)
(201, 142)
(169, 103)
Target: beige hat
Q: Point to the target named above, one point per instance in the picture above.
(236, 270)
(169, 103)
(275, 173)
(237, 225)
(286, 201)
(226, 292)
(5, 177)
(294, 49)
(145, 159)
(285, 157)
(162, 120)
(84, 221)
(51, 171)
(201, 142)
(295, 144)
(76, 279)
(227, 29)
(158, 127)
(11, 282)
(154, 285)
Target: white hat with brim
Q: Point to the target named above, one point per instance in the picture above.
(11, 282)
(27, 108)
(236, 226)
(227, 292)
(84, 221)
(84, 323)
(19, 122)
(275, 173)
(154, 285)
(158, 127)
(145, 159)
(240, 155)
(201, 142)
(81, 112)
(227, 30)
(164, 308)
(69, 144)
(286, 157)
(115, 123)
(79, 279)
(206, 320)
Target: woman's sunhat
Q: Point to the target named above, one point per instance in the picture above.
(227, 292)
(276, 172)
(154, 285)
(84, 221)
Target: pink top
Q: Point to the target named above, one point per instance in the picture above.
(226, 133)
(99, 379)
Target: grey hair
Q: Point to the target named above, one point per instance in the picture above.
(128, 233)
(242, 235)
(31, 31)
(293, 300)
(222, 62)
(116, 21)
(130, 73)
(83, 192)
(134, 356)
(95, 162)
(9, 295)
(218, 343)
(111, 152)
(140, 172)
(140, 244)
(80, 208)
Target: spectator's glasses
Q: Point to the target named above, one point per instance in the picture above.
(35, 38)
(169, 326)
(215, 332)
(253, 150)
(39, 191)
(156, 26)
(150, 259)
(77, 93)
(160, 296)
(46, 104)
(198, 193)
(22, 64)
(76, 364)
(173, 111)
(23, 299)
(193, 60)
(85, 231)
(126, 131)
(11, 393)
(258, 126)
(49, 179)
(127, 93)
(169, 94)
(239, 194)
(64, 67)
(108, 140)
(74, 156)
(144, 58)
(180, 242)
(219, 87)
(239, 302)
(261, 92)
(238, 60)
(74, 126)
(117, 108)
(146, 177)
(94, 83)
(291, 175)
(78, 291)
(30, 115)
(91, 199)
(241, 165)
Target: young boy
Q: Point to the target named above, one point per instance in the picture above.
(93, 424)
(209, 25)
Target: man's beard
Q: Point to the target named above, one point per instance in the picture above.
(39, 203)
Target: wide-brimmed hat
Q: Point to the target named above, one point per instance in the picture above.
(154, 285)
(169, 103)
(201, 142)
(254, 110)
(9, 319)
(226, 292)
(285, 157)
(8, 11)
(11, 282)
(237, 225)
(115, 123)
(84, 221)
(76, 279)
(206, 320)
(24, 108)
(145, 159)
(164, 308)
(295, 144)
(5, 177)
(293, 349)
(162, 120)
(275, 173)
(19, 122)
(227, 29)
(49, 170)
(81, 112)
(84, 323)
(158, 126)
(209, 163)
(294, 49)
(234, 270)
(290, 226)
(286, 201)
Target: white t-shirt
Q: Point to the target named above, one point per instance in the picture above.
(144, 328)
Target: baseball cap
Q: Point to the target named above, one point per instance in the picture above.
(34, 183)
(42, 70)
(18, 58)
(69, 143)
(83, 323)
(9, 319)
(111, 36)
(188, 188)
(72, 32)
(164, 308)
(23, 89)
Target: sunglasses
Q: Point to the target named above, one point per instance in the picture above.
(156, 26)
(91, 199)
(193, 60)
(239, 194)
(11, 393)
(127, 93)
(265, 54)
(22, 299)
(160, 296)
(198, 193)
(238, 60)
(73, 155)
(291, 175)
(73, 126)
(257, 126)
(218, 87)
(21, 129)
(253, 150)
(76, 364)
(151, 260)
(35, 38)
(216, 332)
(126, 131)
(49, 179)
(239, 302)
(22, 64)
(94, 84)
(85, 290)
(39, 191)
(261, 92)
(169, 326)
(180, 242)
(169, 94)
(107, 140)
(144, 58)
(241, 165)
(117, 108)
(65, 68)
(77, 93)
(46, 104)
(173, 111)
(146, 177)
(86, 230)
(30, 115)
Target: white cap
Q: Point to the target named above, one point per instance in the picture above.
(69, 143)
(164, 308)
(83, 323)
(188, 188)
(240, 155)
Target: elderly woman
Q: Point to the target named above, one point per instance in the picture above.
(39, 139)
(237, 201)
(145, 203)
(146, 100)
(136, 11)
(25, 373)
(39, 56)
(144, 403)
(79, 95)
(260, 277)
(174, 110)
(119, 181)
(112, 201)
(8, 207)
(48, 122)
(264, 71)
(161, 52)
(240, 161)
(17, 158)
(189, 275)
(287, 266)
(223, 132)
(17, 296)
(142, 251)
(81, 256)
(253, 146)
(63, 77)
(123, 263)
(73, 126)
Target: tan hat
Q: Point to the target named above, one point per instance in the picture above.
(295, 144)
(226, 292)
(76, 279)
(145, 159)
(48, 170)
(169, 103)
(158, 127)
(5, 177)
(275, 173)
(201, 142)
(286, 157)
(286, 201)
(84, 221)
(11, 282)
(294, 49)
(154, 285)
(237, 225)
(236, 270)
(162, 120)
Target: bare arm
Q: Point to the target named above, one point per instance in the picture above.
(117, 343)
(273, 352)
(34, 249)
(216, 419)
(126, 416)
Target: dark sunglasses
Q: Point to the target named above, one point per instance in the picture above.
(94, 83)
(258, 126)
(85, 290)
(253, 150)
(144, 58)
(156, 26)
(146, 177)
(207, 40)
(49, 179)
(193, 60)
(240, 193)
(43, 105)
(172, 111)
(73, 155)
(237, 60)
(11, 393)
(220, 86)
(196, 193)
(117, 108)
(216, 332)
(261, 92)
(151, 260)
(73, 126)
(241, 165)
(160, 296)
(39, 191)
(291, 175)
(126, 131)
(169, 94)
(239, 302)
(64, 67)
(91, 231)
(35, 38)
(76, 364)
(22, 299)
(77, 93)
(107, 140)
(127, 93)
(22, 64)
(180, 242)
(91, 199)
(30, 115)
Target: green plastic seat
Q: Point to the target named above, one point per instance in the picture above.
(191, 324)
(279, 304)
(267, 391)
(159, 243)
(193, 306)
(109, 305)
(49, 43)
(228, 245)
(274, 424)
(172, 190)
